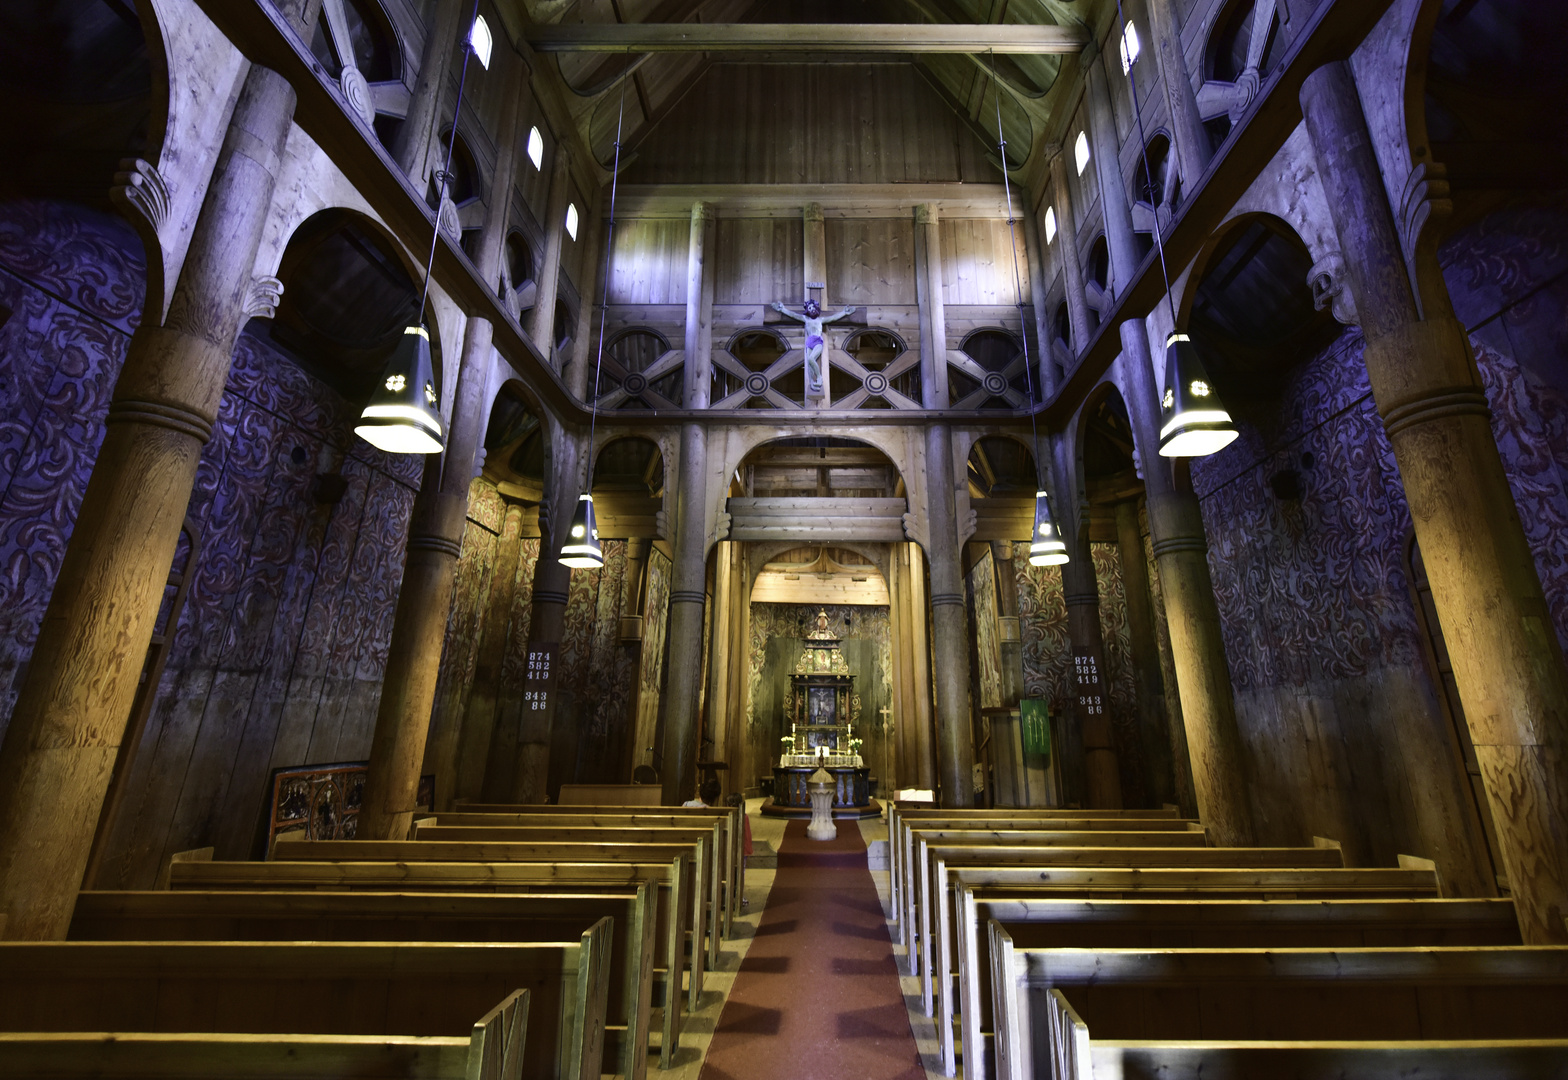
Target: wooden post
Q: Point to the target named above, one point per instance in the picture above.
(73, 707)
(1506, 658)
(398, 749)
(1105, 156)
(1045, 370)
(585, 340)
(1144, 655)
(1008, 634)
(1067, 249)
(689, 574)
(1193, 150)
(1192, 615)
(414, 139)
(815, 261)
(541, 321)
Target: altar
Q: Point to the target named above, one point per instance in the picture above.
(821, 711)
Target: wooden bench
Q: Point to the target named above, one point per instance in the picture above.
(494, 1051)
(540, 853)
(898, 813)
(1307, 995)
(710, 837)
(365, 916)
(730, 846)
(1040, 836)
(672, 882)
(931, 900)
(1077, 1057)
(294, 988)
(1035, 922)
(610, 794)
(731, 816)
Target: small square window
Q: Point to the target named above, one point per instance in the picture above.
(1050, 224)
(1081, 152)
(1130, 48)
(536, 148)
(571, 220)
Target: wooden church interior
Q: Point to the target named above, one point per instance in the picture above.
(477, 476)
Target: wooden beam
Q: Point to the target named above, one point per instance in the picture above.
(805, 37)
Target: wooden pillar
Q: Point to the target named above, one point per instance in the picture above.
(1144, 655)
(689, 574)
(74, 704)
(541, 321)
(815, 261)
(411, 149)
(398, 748)
(1192, 614)
(920, 669)
(480, 712)
(1506, 658)
(718, 664)
(1072, 259)
(1193, 150)
(1008, 632)
(633, 583)
(1045, 370)
(1105, 156)
(585, 340)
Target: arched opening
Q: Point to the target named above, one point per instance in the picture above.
(757, 349)
(463, 185)
(877, 351)
(516, 447)
(1156, 191)
(1002, 468)
(78, 84)
(1254, 318)
(1002, 381)
(347, 297)
(359, 33)
(1232, 55)
(518, 286)
(628, 487)
(565, 324)
(629, 360)
(1097, 287)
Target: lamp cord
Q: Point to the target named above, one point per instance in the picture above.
(604, 307)
(1018, 287)
(446, 172)
(1143, 151)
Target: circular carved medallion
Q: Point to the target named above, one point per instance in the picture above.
(635, 383)
(756, 384)
(994, 384)
(876, 383)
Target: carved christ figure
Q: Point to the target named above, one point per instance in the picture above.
(811, 315)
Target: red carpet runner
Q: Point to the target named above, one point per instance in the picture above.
(817, 997)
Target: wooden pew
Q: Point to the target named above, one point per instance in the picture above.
(672, 881)
(897, 813)
(1035, 922)
(365, 916)
(493, 1051)
(1042, 835)
(727, 818)
(314, 988)
(931, 900)
(611, 794)
(731, 815)
(546, 853)
(1077, 1057)
(1308, 995)
(711, 836)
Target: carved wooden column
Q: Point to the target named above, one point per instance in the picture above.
(1193, 150)
(949, 619)
(1197, 643)
(1011, 640)
(815, 261)
(411, 149)
(1044, 369)
(920, 669)
(398, 749)
(580, 372)
(1067, 250)
(1105, 156)
(1144, 654)
(688, 582)
(70, 716)
(541, 321)
(1506, 658)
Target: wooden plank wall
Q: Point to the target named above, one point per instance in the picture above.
(792, 124)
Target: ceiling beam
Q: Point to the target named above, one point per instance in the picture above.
(804, 37)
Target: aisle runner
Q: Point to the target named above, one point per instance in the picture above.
(817, 997)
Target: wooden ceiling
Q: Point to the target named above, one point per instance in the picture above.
(577, 38)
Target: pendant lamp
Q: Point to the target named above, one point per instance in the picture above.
(1193, 422)
(581, 550)
(1046, 546)
(402, 417)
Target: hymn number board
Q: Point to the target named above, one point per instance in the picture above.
(1091, 696)
(539, 679)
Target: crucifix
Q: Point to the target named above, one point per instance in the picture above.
(811, 316)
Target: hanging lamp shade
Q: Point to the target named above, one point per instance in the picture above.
(581, 550)
(1046, 547)
(1193, 421)
(402, 417)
